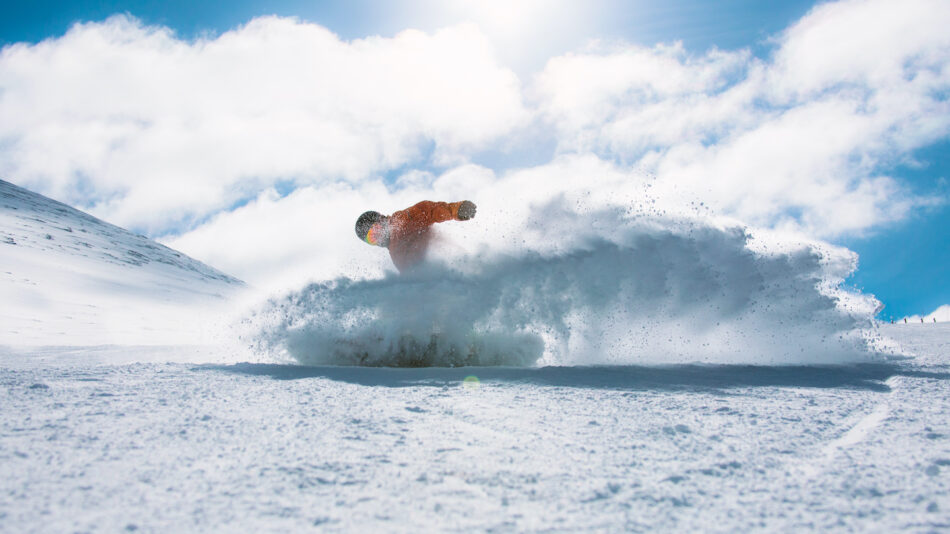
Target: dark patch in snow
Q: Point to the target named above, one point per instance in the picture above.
(708, 378)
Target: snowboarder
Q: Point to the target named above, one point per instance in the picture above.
(406, 233)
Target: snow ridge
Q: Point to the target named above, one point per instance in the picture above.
(27, 215)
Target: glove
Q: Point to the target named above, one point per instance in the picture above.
(466, 210)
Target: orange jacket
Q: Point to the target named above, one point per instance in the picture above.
(409, 230)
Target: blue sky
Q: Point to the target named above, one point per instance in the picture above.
(904, 258)
(699, 24)
(907, 264)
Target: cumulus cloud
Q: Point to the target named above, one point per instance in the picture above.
(149, 130)
(872, 44)
(255, 150)
(802, 139)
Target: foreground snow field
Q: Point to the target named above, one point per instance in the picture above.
(105, 439)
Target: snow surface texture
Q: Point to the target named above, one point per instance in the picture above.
(68, 278)
(88, 444)
(617, 289)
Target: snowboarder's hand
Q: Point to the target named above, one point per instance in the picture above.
(466, 210)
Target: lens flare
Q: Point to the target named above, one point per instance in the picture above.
(372, 236)
(471, 382)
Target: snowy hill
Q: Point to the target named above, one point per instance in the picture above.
(67, 278)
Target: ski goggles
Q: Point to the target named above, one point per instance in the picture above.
(376, 234)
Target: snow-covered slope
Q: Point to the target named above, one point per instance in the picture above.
(67, 278)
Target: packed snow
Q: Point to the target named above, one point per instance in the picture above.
(674, 374)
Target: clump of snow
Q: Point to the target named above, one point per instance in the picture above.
(586, 288)
(67, 278)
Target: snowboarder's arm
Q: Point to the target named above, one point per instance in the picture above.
(436, 212)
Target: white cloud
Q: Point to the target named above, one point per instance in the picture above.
(152, 129)
(869, 43)
(274, 242)
(155, 130)
(609, 84)
(799, 140)
(525, 33)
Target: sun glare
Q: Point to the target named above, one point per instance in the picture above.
(524, 32)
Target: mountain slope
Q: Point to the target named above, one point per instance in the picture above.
(69, 278)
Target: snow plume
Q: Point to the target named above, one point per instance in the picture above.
(623, 289)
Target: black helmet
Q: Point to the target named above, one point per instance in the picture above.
(365, 222)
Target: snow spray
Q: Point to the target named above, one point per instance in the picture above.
(593, 288)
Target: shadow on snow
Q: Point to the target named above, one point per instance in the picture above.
(869, 377)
